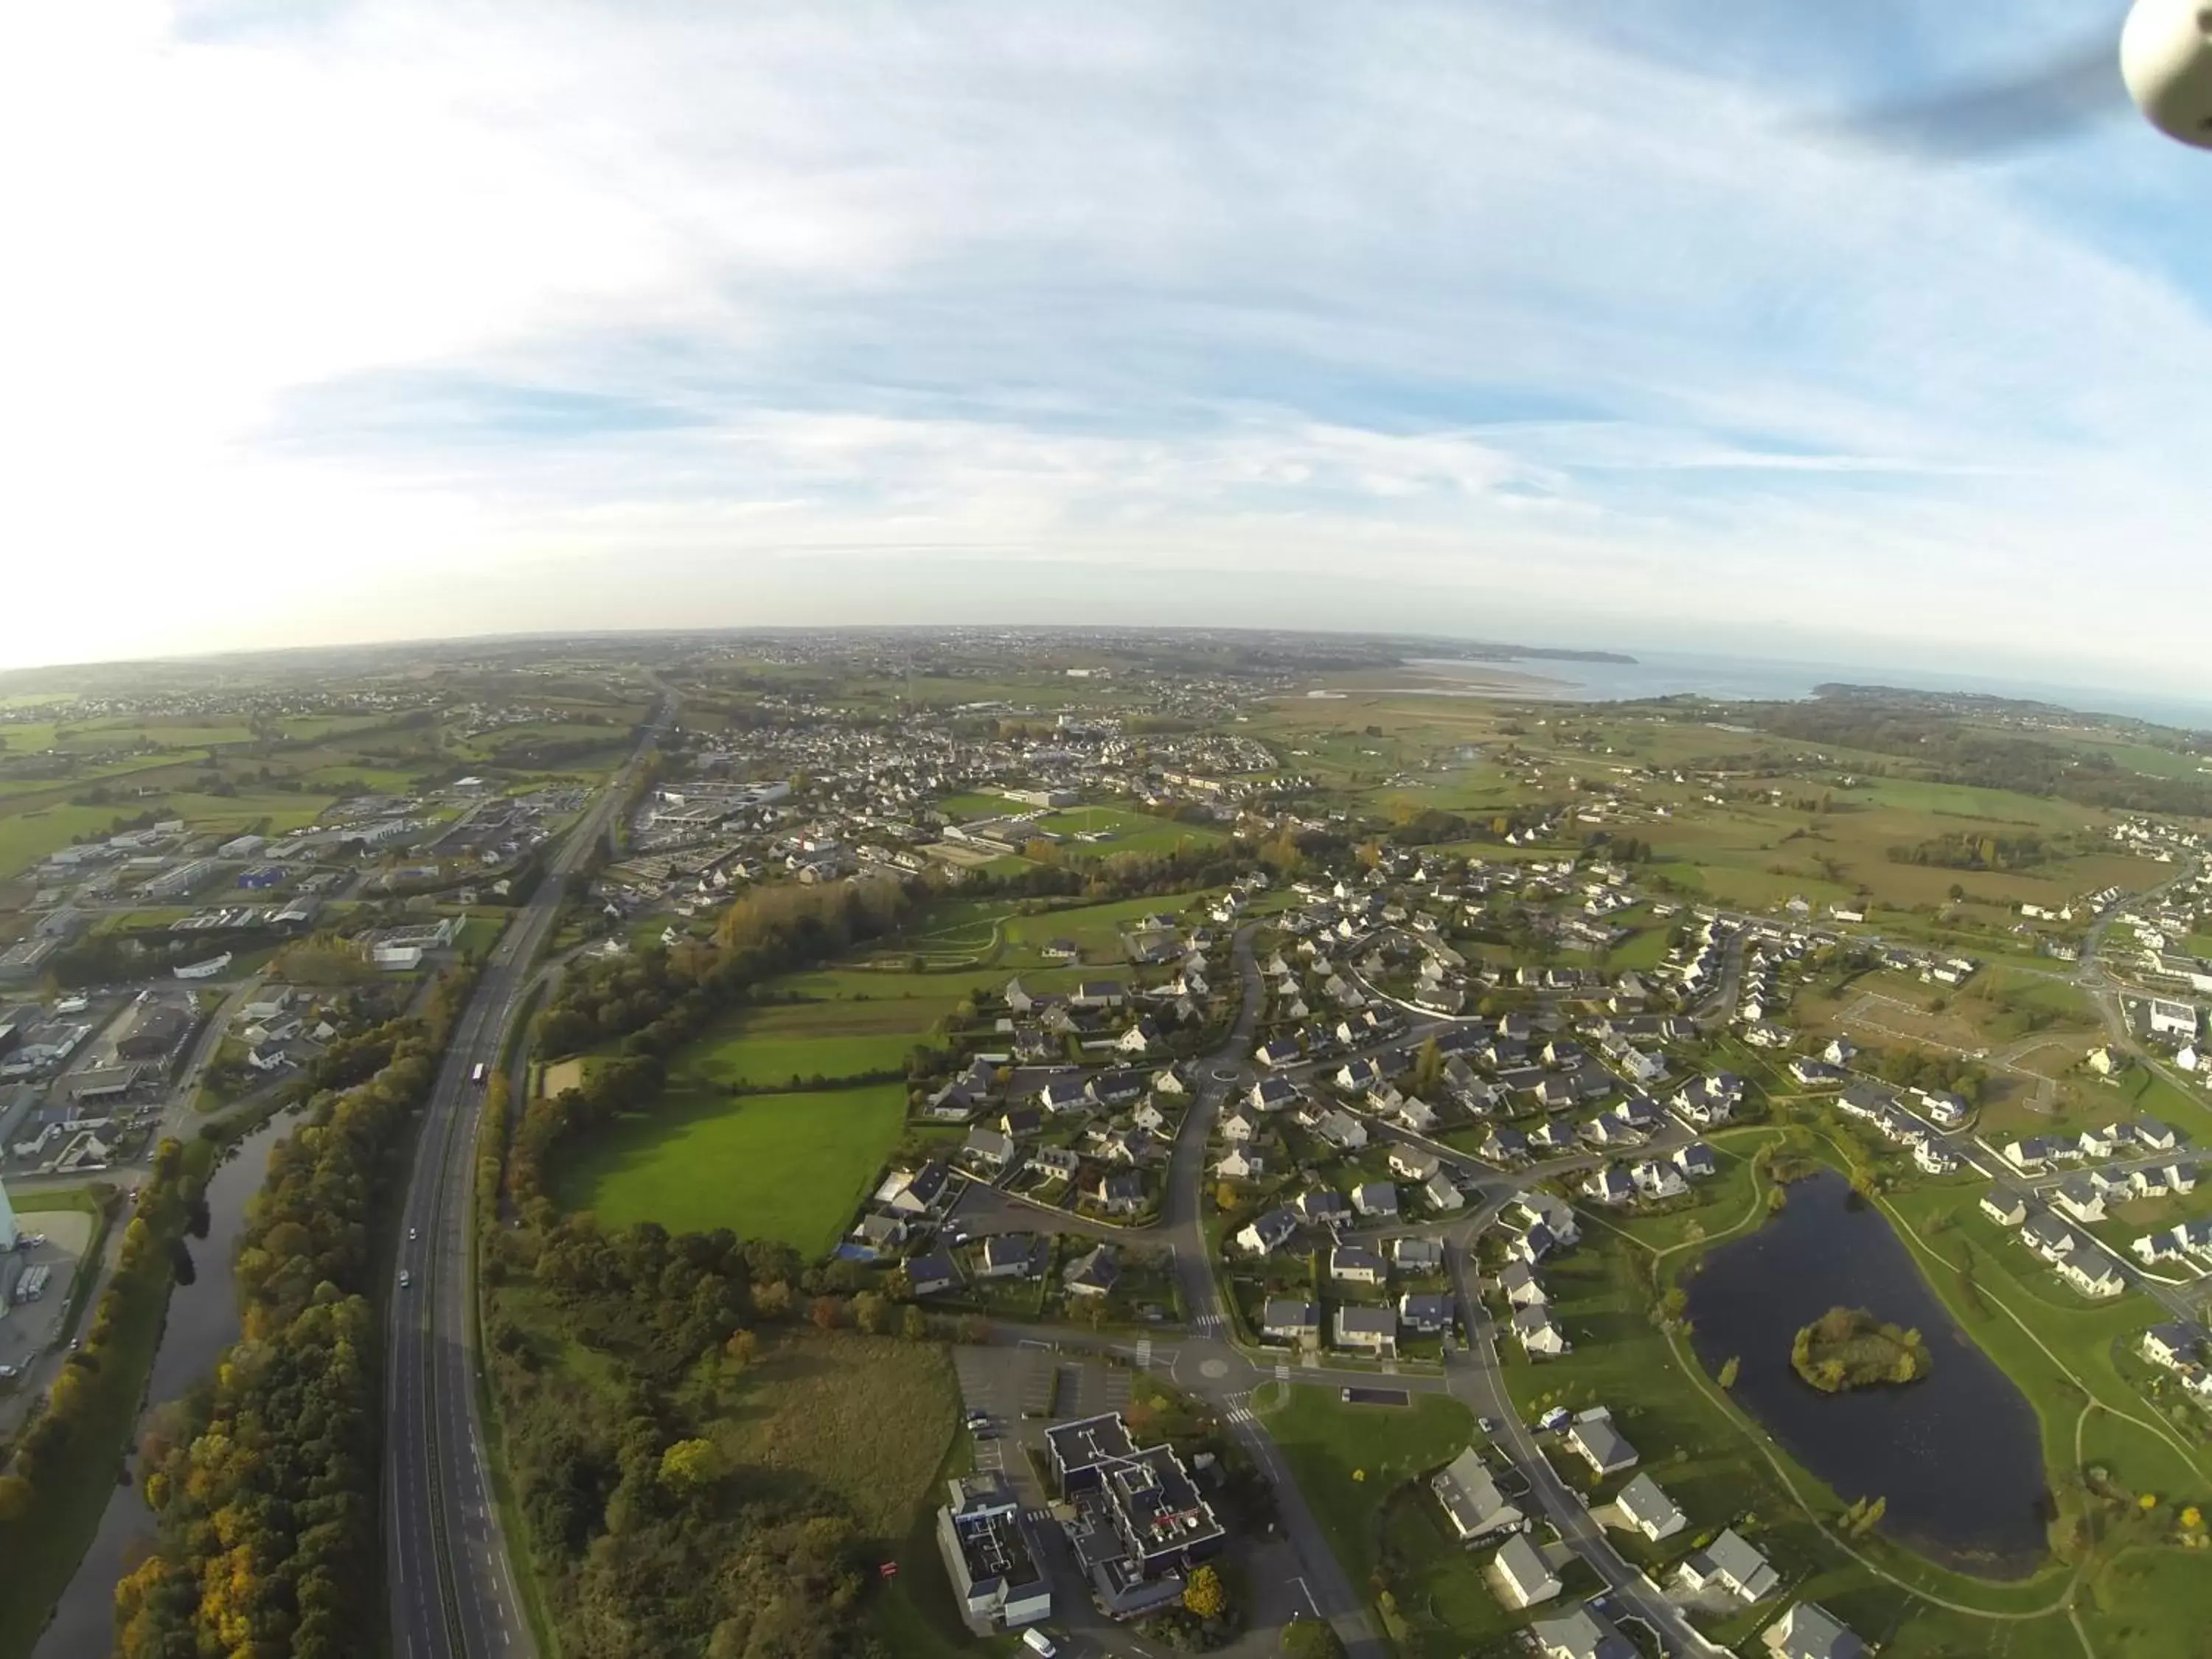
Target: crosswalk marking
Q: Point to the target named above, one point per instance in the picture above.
(1282, 1373)
(1143, 1353)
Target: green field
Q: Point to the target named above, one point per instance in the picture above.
(1349, 1459)
(789, 1166)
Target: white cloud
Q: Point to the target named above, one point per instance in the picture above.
(567, 314)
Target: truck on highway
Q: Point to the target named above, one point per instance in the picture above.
(478, 1072)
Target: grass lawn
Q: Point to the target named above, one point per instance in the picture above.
(766, 1166)
(1349, 1459)
(866, 1419)
(771, 1044)
(1096, 929)
(1125, 832)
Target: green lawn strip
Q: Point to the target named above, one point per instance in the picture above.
(786, 1166)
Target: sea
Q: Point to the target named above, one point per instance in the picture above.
(1753, 679)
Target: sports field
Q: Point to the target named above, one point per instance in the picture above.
(789, 1166)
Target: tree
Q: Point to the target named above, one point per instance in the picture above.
(1205, 1594)
(870, 1313)
(741, 1347)
(1309, 1638)
(913, 1324)
(1728, 1371)
(688, 1465)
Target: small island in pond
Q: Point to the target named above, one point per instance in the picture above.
(1849, 1348)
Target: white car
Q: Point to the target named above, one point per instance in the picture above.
(406, 1279)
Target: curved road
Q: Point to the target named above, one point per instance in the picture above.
(451, 1591)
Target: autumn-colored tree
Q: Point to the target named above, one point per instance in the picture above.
(870, 1313)
(741, 1347)
(1204, 1596)
(688, 1465)
(828, 1312)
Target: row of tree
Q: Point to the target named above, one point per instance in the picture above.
(265, 1482)
(87, 1413)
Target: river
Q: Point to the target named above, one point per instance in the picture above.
(1957, 1456)
(202, 1321)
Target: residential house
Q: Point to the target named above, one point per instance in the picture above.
(1120, 1193)
(2049, 1237)
(2173, 1346)
(1413, 1164)
(1273, 1094)
(990, 1149)
(1341, 1130)
(1278, 1052)
(1373, 1330)
(1592, 1438)
(1268, 1233)
(1322, 1207)
(917, 1192)
(1608, 1185)
(1053, 1162)
(1522, 1573)
(1647, 1509)
(1538, 1334)
(1417, 1256)
(1006, 1255)
(1095, 1273)
(1237, 1124)
(2078, 1197)
(1241, 1164)
(1358, 1265)
(2004, 1206)
(1064, 1095)
(1581, 1633)
(1696, 1161)
(1290, 1319)
(2091, 1272)
(1441, 1192)
(1473, 1504)
(1655, 1181)
(932, 1274)
(1809, 1631)
(1520, 1286)
(1375, 1200)
(1555, 1213)
(1730, 1564)
(1505, 1145)
(1428, 1312)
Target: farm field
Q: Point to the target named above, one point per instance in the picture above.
(786, 1166)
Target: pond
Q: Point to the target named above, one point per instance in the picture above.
(1958, 1457)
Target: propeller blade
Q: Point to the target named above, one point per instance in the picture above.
(2062, 96)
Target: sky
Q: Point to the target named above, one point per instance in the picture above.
(1573, 326)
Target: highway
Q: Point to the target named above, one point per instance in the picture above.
(451, 1591)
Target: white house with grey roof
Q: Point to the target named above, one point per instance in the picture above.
(1809, 1631)
(1472, 1502)
(1592, 1438)
(1731, 1566)
(1644, 1505)
(1523, 1578)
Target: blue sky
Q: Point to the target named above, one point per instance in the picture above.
(1580, 325)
